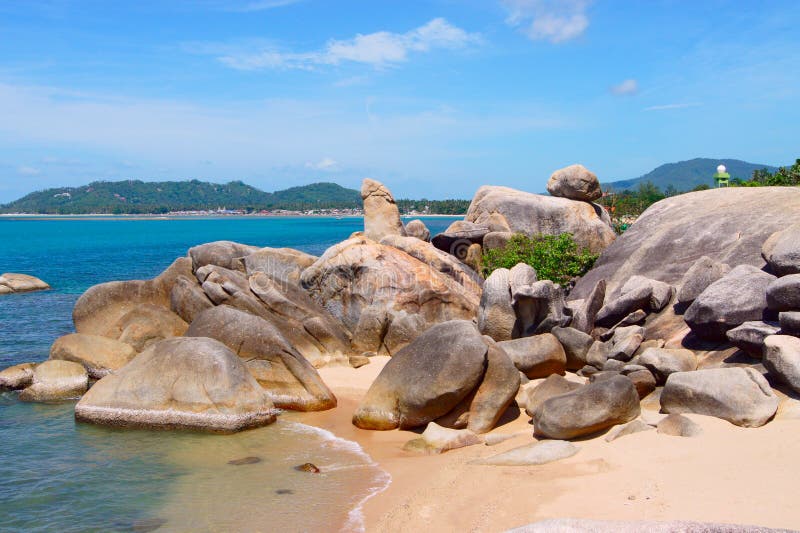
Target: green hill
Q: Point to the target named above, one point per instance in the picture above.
(686, 175)
(136, 197)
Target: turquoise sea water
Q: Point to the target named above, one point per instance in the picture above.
(56, 475)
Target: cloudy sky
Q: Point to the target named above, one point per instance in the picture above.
(434, 98)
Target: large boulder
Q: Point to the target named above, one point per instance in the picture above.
(10, 282)
(554, 385)
(17, 377)
(729, 225)
(189, 383)
(99, 355)
(534, 214)
(782, 358)
(637, 294)
(281, 264)
(99, 309)
(739, 395)
(56, 380)
(750, 336)
(539, 306)
(381, 216)
(663, 362)
(417, 229)
(495, 393)
(359, 274)
(738, 297)
(145, 324)
(576, 183)
(790, 323)
(782, 249)
(700, 275)
(496, 316)
(584, 312)
(226, 254)
(783, 294)
(576, 345)
(289, 379)
(426, 379)
(537, 356)
(586, 410)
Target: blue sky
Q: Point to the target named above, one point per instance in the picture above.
(434, 98)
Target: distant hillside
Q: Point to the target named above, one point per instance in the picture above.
(686, 175)
(135, 197)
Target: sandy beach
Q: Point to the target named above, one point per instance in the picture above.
(728, 474)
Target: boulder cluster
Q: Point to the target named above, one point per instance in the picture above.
(695, 308)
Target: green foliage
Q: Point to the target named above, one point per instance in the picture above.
(632, 202)
(783, 177)
(439, 207)
(554, 257)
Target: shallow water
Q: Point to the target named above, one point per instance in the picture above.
(56, 474)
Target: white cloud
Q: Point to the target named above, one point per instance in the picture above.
(556, 21)
(377, 49)
(626, 88)
(665, 107)
(28, 171)
(326, 164)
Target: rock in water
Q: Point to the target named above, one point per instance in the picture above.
(782, 358)
(418, 229)
(289, 379)
(56, 380)
(99, 355)
(783, 294)
(21, 283)
(731, 301)
(426, 379)
(535, 214)
(750, 336)
(17, 377)
(782, 250)
(739, 395)
(576, 183)
(700, 275)
(586, 410)
(538, 453)
(188, 383)
(537, 356)
(381, 216)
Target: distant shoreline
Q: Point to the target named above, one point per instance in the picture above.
(99, 216)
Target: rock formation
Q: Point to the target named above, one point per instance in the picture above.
(10, 283)
(576, 183)
(381, 216)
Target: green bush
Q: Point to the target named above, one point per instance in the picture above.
(554, 257)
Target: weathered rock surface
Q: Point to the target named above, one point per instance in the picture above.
(739, 395)
(537, 453)
(700, 275)
(283, 265)
(782, 359)
(624, 343)
(637, 294)
(418, 229)
(634, 426)
(359, 273)
(459, 237)
(189, 382)
(783, 294)
(56, 380)
(99, 355)
(790, 323)
(731, 301)
(187, 298)
(534, 214)
(662, 362)
(381, 216)
(495, 393)
(576, 345)
(679, 426)
(750, 336)
(554, 385)
(226, 254)
(586, 410)
(437, 439)
(496, 315)
(538, 306)
(10, 282)
(145, 324)
(782, 249)
(575, 182)
(643, 380)
(289, 378)
(585, 315)
(537, 356)
(17, 377)
(426, 379)
(495, 240)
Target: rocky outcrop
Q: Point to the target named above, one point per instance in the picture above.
(187, 298)
(56, 380)
(586, 410)
(358, 275)
(289, 379)
(418, 230)
(284, 265)
(381, 216)
(11, 283)
(225, 254)
(99, 355)
(782, 359)
(737, 298)
(145, 324)
(576, 183)
(739, 395)
(782, 249)
(436, 373)
(537, 356)
(700, 275)
(188, 383)
(534, 214)
(17, 377)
